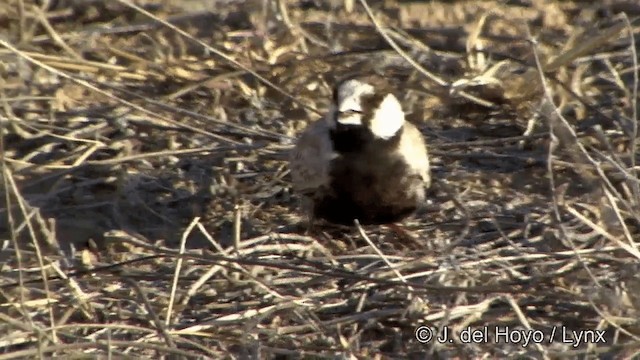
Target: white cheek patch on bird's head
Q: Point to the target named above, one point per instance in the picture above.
(349, 101)
(387, 118)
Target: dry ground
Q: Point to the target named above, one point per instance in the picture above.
(147, 207)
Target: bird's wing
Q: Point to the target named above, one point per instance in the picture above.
(310, 158)
(414, 150)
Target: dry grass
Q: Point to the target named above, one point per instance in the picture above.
(147, 209)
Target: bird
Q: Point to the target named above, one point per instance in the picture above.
(363, 160)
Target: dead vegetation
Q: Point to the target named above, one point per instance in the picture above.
(147, 204)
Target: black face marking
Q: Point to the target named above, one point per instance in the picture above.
(350, 138)
(355, 138)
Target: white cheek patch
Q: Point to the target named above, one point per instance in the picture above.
(388, 118)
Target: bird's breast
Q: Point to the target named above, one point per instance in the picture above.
(373, 188)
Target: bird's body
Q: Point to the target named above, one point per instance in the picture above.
(362, 161)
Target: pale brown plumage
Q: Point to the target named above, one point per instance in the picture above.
(362, 161)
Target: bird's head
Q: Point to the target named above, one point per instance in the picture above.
(363, 112)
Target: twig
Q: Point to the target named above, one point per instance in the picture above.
(113, 97)
(382, 256)
(417, 66)
(221, 54)
(176, 275)
(633, 150)
(525, 322)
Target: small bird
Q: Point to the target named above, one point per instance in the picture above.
(363, 160)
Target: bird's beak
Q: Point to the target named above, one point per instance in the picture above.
(349, 118)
